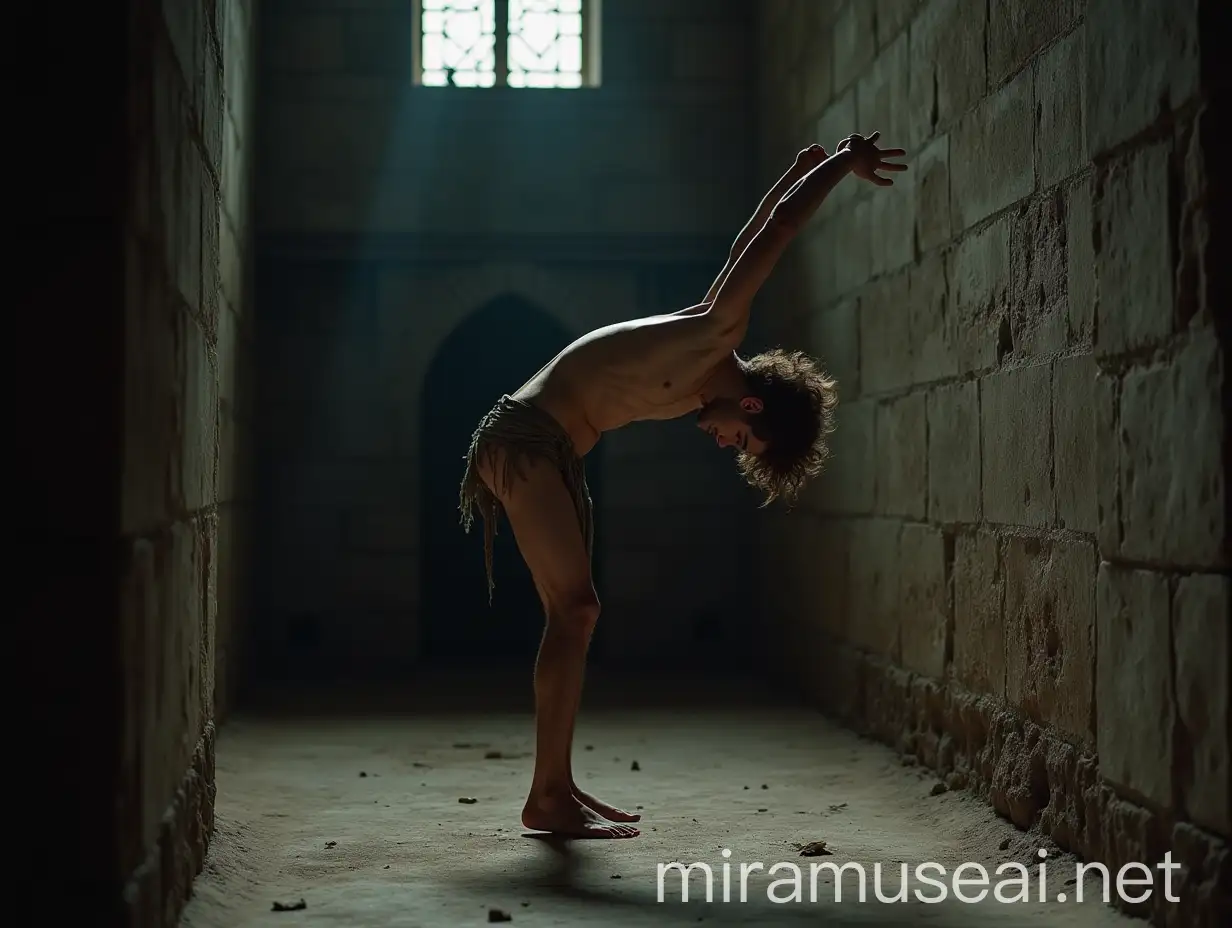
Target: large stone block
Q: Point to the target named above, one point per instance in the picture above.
(923, 41)
(834, 338)
(1017, 29)
(237, 71)
(924, 600)
(932, 194)
(1172, 477)
(1080, 262)
(882, 99)
(848, 483)
(1039, 315)
(961, 62)
(885, 336)
(835, 124)
(1015, 414)
(902, 460)
(1142, 55)
(1060, 138)
(1107, 464)
(1133, 688)
(152, 373)
(979, 633)
(1133, 263)
(198, 419)
(853, 243)
(979, 278)
(228, 347)
(954, 453)
(874, 618)
(830, 566)
(1049, 631)
(185, 23)
(817, 74)
(232, 173)
(992, 154)
(893, 17)
(1076, 439)
(892, 225)
(855, 42)
(176, 206)
(933, 356)
(1200, 641)
(210, 298)
(213, 107)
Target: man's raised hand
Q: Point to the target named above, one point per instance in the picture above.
(810, 157)
(869, 159)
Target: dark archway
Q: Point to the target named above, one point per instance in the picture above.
(492, 352)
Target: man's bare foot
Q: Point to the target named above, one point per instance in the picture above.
(611, 813)
(568, 816)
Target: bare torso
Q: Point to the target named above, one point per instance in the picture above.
(637, 370)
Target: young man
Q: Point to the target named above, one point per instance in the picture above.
(526, 456)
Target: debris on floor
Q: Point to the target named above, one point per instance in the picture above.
(499, 915)
(765, 786)
(763, 810)
(329, 844)
(838, 807)
(590, 747)
(289, 906)
(1004, 845)
(363, 773)
(615, 876)
(813, 849)
(418, 764)
(492, 755)
(938, 789)
(467, 800)
(636, 766)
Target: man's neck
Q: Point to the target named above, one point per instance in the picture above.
(727, 380)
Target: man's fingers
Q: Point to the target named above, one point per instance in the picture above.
(874, 137)
(892, 152)
(886, 166)
(882, 181)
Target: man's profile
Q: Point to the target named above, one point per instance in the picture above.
(526, 456)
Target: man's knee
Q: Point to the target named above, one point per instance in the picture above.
(575, 616)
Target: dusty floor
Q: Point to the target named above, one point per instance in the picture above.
(360, 818)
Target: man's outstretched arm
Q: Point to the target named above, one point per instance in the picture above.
(805, 162)
(729, 308)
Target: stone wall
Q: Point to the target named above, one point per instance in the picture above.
(389, 214)
(188, 414)
(132, 357)
(1015, 567)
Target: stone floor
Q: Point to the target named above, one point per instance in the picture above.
(358, 814)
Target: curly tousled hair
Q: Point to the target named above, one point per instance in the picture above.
(798, 400)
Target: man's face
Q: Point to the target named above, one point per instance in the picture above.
(729, 423)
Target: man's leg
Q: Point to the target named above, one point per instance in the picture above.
(545, 525)
(608, 811)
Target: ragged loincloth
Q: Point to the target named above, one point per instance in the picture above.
(521, 430)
